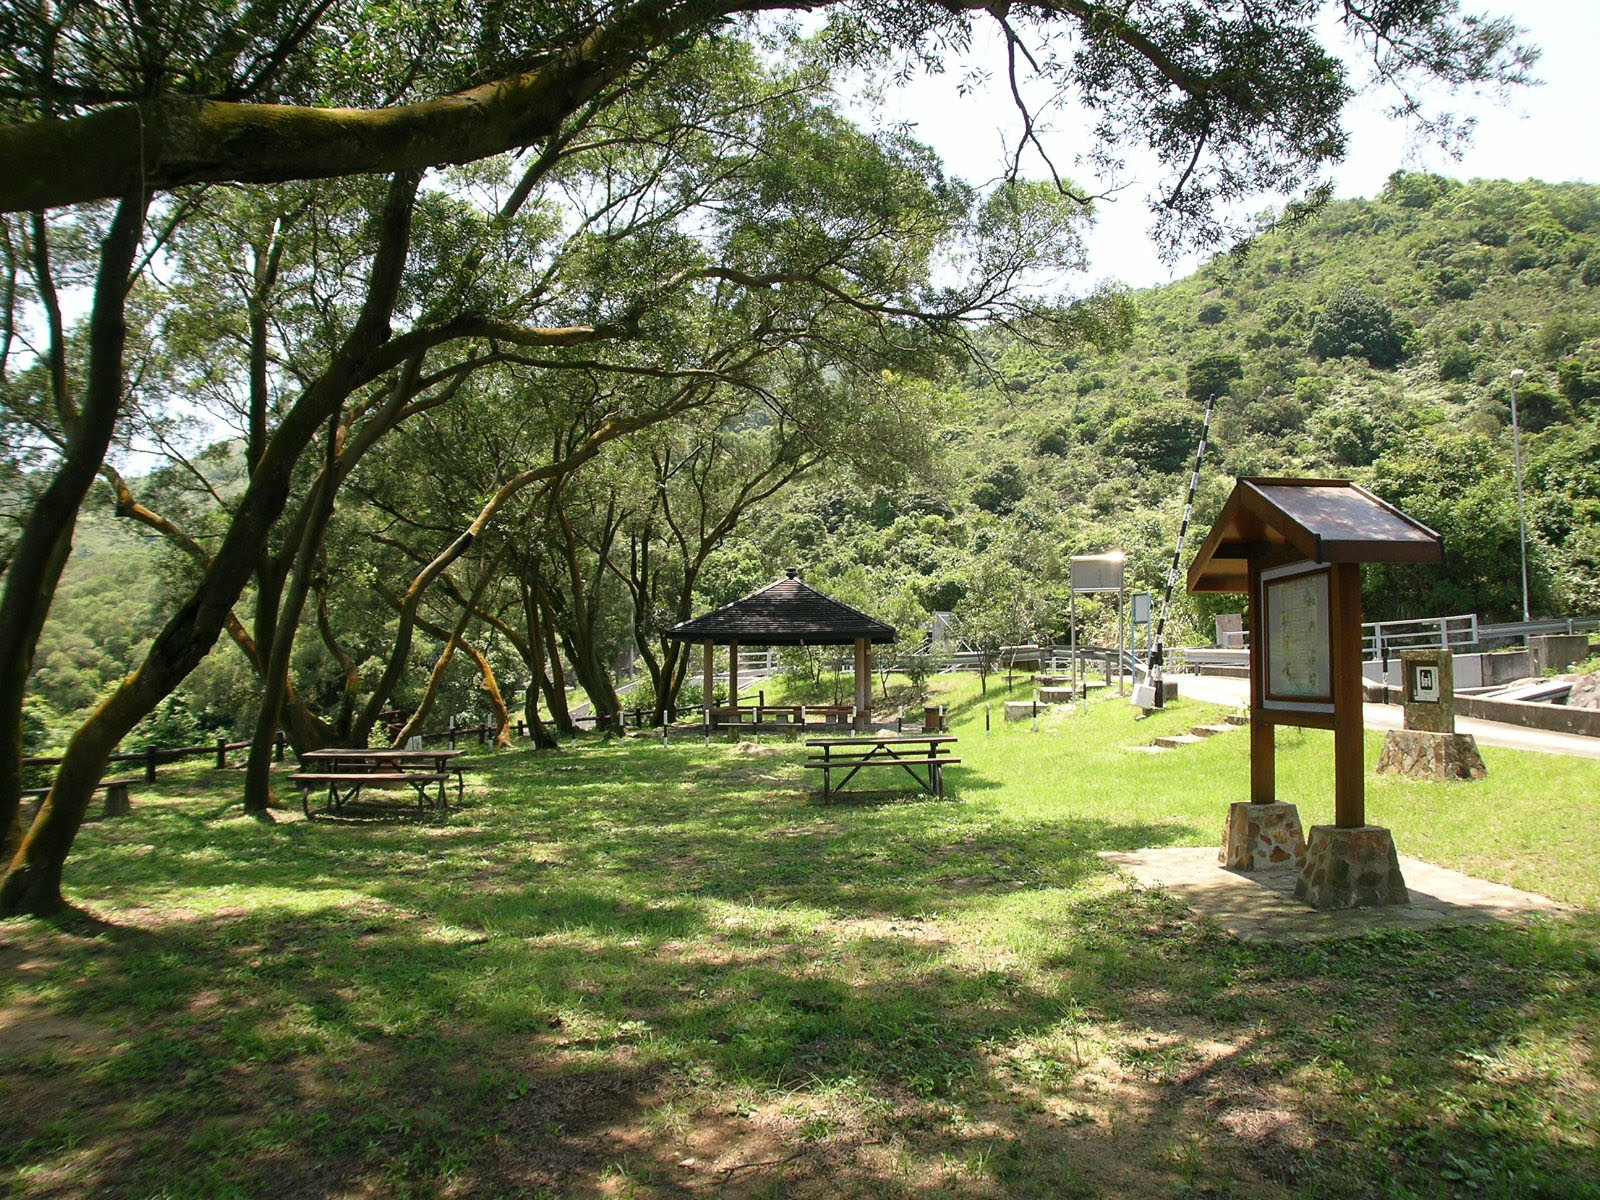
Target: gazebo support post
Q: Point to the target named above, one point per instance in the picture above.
(863, 685)
(708, 677)
(733, 675)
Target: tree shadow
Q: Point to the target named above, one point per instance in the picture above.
(598, 976)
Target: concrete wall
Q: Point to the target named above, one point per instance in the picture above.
(1556, 717)
(1471, 670)
(1555, 652)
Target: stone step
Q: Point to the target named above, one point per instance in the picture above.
(1212, 730)
(1236, 719)
(1176, 740)
(1151, 749)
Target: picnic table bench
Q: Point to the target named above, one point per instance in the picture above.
(850, 754)
(346, 772)
(116, 790)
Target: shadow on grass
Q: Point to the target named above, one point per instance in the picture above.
(589, 969)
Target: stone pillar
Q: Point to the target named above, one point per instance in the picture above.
(1424, 755)
(1428, 681)
(1351, 867)
(1429, 747)
(1259, 836)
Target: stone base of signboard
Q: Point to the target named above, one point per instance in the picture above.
(1426, 755)
(1351, 868)
(1259, 836)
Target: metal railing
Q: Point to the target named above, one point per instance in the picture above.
(1384, 639)
(1527, 629)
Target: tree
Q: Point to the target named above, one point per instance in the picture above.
(1356, 322)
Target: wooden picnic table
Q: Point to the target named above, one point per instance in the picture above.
(345, 772)
(758, 715)
(908, 752)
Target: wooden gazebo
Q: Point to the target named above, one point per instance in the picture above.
(788, 612)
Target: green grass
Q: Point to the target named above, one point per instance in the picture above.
(629, 969)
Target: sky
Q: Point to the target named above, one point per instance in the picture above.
(1547, 132)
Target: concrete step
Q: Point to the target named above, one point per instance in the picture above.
(1212, 730)
(1236, 719)
(1176, 740)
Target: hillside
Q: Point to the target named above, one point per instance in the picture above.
(1373, 339)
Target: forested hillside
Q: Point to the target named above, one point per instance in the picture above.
(1373, 339)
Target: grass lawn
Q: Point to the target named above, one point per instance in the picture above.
(629, 969)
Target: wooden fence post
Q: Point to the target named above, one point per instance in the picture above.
(452, 733)
(149, 764)
(482, 728)
(278, 748)
(222, 753)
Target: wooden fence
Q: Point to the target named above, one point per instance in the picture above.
(453, 735)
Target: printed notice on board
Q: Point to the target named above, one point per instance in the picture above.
(1298, 658)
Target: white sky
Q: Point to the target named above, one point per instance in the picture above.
(1546, 132)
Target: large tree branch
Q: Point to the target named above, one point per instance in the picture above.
(171, 141)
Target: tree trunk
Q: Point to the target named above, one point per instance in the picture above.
(538, 682)
(491, 691)
(451, 641)
(258, 797)
(41, 551)
(555, 682)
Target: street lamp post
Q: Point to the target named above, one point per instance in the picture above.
(1517, 377)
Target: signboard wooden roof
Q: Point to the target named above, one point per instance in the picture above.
(1322, 520)
(786, 613)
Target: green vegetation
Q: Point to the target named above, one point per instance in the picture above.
(633, 969)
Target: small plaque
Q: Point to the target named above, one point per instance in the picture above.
(1425, 685)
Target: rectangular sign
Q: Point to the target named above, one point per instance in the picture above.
(1098, 572)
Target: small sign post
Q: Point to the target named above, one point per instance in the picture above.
(1429, 746)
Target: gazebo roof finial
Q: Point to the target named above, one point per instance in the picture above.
(794, 572)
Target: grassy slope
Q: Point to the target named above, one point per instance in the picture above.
(629, 969)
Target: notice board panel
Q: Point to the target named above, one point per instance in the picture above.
(1297, 671)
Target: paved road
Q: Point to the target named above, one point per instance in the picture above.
(1213, 689)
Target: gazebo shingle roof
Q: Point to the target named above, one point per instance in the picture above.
(786, 613)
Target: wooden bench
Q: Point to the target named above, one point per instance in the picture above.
(850, 755)
(345, 786)
(116, 790)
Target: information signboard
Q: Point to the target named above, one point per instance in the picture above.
(1098, 572)
(1298, 671)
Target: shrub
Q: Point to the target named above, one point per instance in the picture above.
(1357, 323)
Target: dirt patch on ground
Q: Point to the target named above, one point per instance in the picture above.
(759, 749)
(28, 1030)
